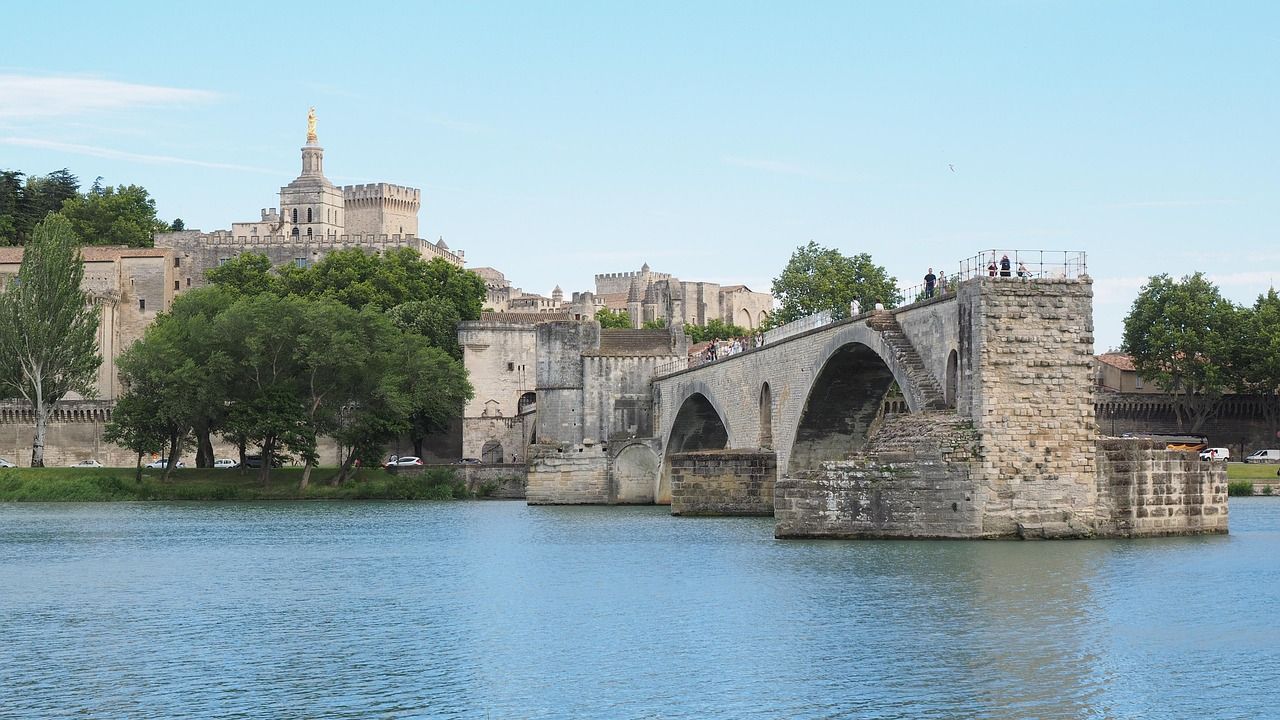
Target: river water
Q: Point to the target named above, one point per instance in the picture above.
(498, 610)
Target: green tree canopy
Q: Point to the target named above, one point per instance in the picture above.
(715, 329)
(124, 215)
(436, 319)
(48, 328)
(818, 279)
(1257, 352)
(1181, 335)
(613, 318)
(24, 204)
(245, 275)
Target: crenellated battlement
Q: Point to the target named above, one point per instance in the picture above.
(378, 192)
(634, 274)
(222, 237)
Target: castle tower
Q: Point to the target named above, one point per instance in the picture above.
(311, 205)
(651, 302)
(633, 303)
(557, 296)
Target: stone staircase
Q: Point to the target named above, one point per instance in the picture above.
(908, 360)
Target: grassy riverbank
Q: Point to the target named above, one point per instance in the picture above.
(108, 484)
(1242, 471)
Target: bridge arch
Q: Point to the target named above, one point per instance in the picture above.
(699, 425)
(842, 404)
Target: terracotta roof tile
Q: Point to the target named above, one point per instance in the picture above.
(1119, 361)
(522, 318)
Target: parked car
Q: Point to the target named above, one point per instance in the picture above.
(226, 463)
(255, 461)
(1218, 453)
(5, 463)
(405, 461)
(1263, 456)
(87, 464)
(162, 463)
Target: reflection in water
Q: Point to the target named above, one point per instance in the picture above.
(475, 610)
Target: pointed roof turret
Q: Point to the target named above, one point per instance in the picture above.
(633, 295)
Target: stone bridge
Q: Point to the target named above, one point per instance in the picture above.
(1000, 438)
(814, 396)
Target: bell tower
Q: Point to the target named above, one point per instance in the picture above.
(311, 206)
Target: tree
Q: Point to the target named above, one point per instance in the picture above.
(43, 195)
(177, 225)
(124, 215)
(435, 318)
(245, 275)
(715, 329)
(10, 206)
(48, 328)
(135, 424)
(1257, 354)
(818, 279)
(613, 318)
(655, 324)
(1181, 336)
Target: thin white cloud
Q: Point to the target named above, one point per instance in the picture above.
(32, 96)
(113, 154)
(778, 168)
(1170, 203)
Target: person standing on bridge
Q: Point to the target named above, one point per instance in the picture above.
(1004, 266)
(942, 283)
(929, 281)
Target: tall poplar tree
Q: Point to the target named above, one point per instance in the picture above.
(48, 329)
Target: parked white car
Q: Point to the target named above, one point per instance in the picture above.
(226, 463)
(6, 463)
(1263, 456)
(87, 464)
(1215, 454)
(162, 462)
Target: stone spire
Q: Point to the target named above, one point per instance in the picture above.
(633, 295)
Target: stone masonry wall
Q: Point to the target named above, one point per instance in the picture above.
(560, 475)
(1029, 347)
(723, 482)
(1145, 490)
(916, 480)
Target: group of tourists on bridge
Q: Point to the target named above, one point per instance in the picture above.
(718, 349)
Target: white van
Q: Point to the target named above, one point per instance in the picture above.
(1263, 456)
(1215, 454)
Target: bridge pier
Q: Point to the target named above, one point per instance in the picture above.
(723, 482)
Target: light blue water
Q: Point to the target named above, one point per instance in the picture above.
(498, 610)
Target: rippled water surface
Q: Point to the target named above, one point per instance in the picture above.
(498, 610)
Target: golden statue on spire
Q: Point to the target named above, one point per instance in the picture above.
(311, 125)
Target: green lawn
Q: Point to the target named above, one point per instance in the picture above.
(1241, 471)
(105, 484)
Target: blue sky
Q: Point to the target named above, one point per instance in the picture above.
(557, 140)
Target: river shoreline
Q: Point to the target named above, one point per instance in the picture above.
(203, 484)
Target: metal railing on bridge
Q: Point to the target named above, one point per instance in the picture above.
(1025, 264)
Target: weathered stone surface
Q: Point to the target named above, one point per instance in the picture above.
(1145, 490)
(723, 482)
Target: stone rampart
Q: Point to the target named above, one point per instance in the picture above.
(723, 482)
(1145, 490)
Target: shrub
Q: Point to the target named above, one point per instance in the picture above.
(1239, 488)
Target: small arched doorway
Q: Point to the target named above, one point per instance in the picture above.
(491, 453)
(953, 378)
(766, 418)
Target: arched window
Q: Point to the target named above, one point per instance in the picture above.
(295, 232)
(308, 232)
(295, 216)
(308, 216)
(526, 401)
